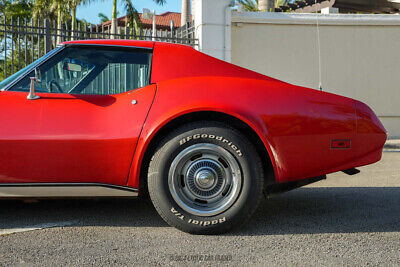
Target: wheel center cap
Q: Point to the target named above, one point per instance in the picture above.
(205, 179)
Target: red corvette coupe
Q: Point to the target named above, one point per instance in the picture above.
(203, 137)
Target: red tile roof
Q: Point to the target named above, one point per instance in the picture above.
(163, 21)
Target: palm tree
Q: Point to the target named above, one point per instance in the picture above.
(103, 17)
(43, 9)
(279, 3)
(260, 5)
(48, 9)
(16, 9)
(59, 6)
(249, 5)
(3, 5)
(57, 9)
(133, 19)
(72, 5)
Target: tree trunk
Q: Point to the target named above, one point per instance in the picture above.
(271, 5)
(186, 12)
(59, 24)
(136, 30)
(73, 23)
(114, 22)
(266, 5)
(59, 37)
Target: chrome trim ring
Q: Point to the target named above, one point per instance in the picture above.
(205, 179)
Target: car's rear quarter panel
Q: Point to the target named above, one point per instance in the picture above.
(295, 124)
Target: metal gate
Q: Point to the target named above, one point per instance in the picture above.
(22, 42)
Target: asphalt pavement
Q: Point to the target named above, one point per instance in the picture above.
(344, 220)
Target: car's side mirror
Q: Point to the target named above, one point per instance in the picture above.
(32, 95)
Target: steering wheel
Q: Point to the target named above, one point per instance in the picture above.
(55, 84)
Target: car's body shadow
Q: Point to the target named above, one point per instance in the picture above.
(302, 211)
(328, 210)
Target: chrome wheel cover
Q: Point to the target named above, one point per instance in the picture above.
(205, 179)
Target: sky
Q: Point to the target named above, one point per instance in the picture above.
(90, 11)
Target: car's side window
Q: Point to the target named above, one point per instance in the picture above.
(92, 70)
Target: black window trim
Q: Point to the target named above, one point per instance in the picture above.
(61, 47)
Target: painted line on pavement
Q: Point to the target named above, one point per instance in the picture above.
(35, 227)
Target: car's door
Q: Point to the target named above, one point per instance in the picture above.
(85, 125)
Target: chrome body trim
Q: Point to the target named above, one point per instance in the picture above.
(43, 190)
(107, 45)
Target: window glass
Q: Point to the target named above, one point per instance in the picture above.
(13, 77)
(92, 70)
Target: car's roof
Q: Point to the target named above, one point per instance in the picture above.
(183, 61)
(134, 43)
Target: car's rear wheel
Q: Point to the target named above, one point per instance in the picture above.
(205, 178)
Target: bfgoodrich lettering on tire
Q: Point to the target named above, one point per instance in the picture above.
(205, 178)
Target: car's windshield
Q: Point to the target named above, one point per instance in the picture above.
(7, 81)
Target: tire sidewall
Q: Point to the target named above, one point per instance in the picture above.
(248, 197)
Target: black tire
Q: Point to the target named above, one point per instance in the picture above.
(206, 134)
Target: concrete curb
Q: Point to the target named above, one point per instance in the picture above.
(392, 145)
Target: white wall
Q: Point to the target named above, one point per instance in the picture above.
(360, 55)
(213, 27)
